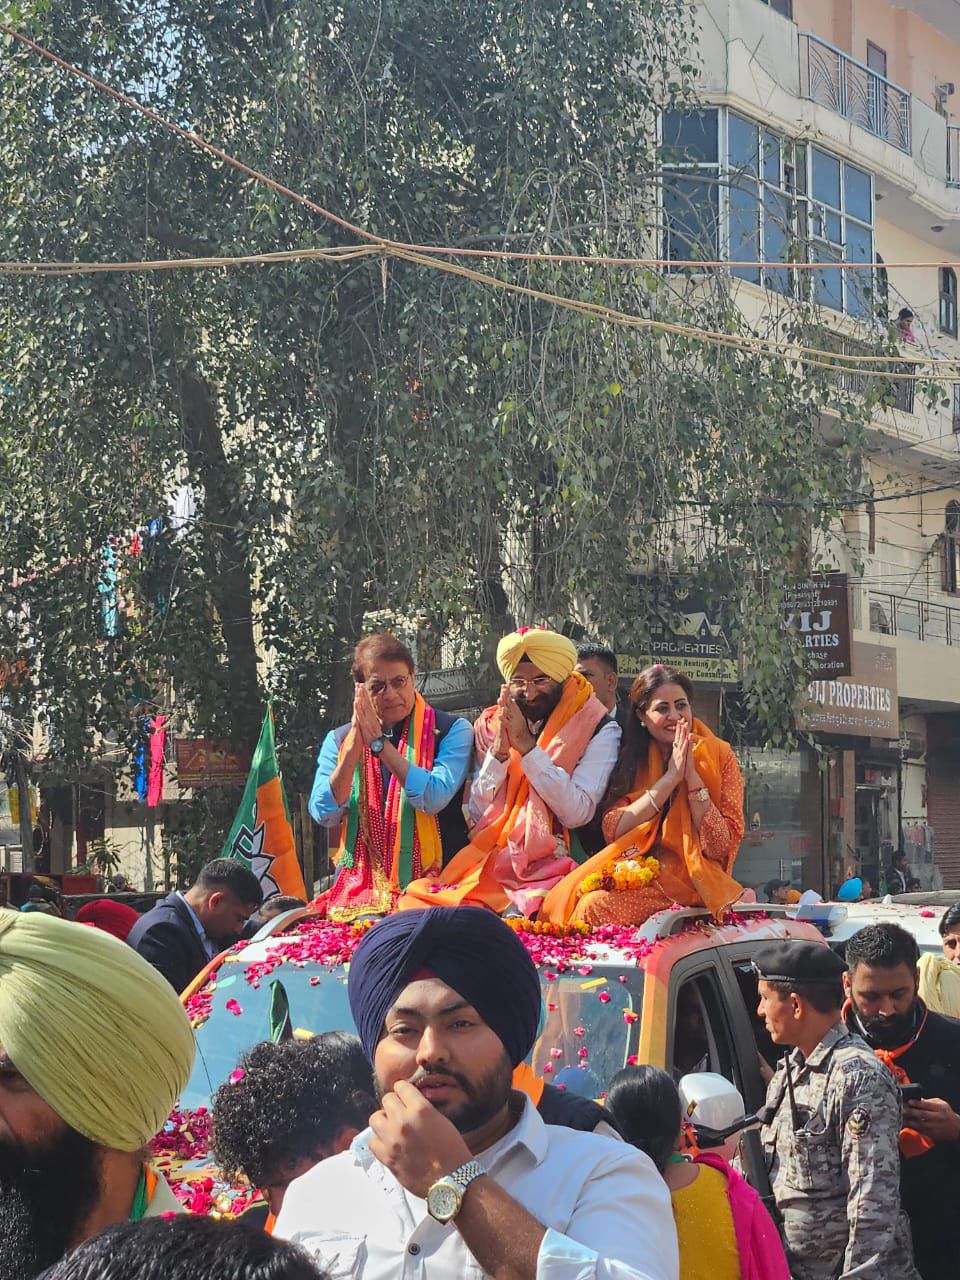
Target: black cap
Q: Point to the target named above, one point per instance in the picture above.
(776, 884)
(798, 962)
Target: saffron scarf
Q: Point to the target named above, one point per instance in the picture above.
(513, 847)
(911, 1142)
(671, 831)
(402, 840)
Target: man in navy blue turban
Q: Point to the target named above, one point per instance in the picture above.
(458, 1174)
(468, 948)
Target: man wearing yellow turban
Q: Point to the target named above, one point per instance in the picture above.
(95, 1049)
(544, 755)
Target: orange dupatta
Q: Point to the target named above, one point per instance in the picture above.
(470, 876)
(671, 831)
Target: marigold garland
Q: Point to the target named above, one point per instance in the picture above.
(620, 874)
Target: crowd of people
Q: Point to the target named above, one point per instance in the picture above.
(412, 1142)
(576, 808)
(408, 1147)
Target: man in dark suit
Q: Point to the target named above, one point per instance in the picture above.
(598, 664)
(186, 930)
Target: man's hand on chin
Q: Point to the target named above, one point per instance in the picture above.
(415, 1141)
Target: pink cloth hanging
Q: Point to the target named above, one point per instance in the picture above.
(158, 742)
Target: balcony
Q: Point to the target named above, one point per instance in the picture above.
(892, 615)
(953, 155)
(835, 80)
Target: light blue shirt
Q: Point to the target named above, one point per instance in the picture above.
(207, 941)
(427, 790)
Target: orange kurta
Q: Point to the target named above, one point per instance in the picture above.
(517, 851)
(694, 867)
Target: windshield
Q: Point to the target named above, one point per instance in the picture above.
(585, 1040)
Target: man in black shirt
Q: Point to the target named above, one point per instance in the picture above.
(921, 1048)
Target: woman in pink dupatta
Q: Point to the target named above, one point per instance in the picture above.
(724, 1231)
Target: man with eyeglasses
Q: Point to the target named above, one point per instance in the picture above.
(544, 755)
(392, 781)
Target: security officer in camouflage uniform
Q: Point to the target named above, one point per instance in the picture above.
(831, 1126)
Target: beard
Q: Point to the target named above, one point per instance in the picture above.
(892, 1031)
(538, 709)
(485, 1097)
(47, 1192)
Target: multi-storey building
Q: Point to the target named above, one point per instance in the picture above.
(838, 124)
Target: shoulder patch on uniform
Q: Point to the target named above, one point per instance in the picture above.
(858, 1122)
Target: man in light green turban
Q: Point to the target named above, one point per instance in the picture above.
(95, 1049)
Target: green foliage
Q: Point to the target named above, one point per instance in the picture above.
(415, 444)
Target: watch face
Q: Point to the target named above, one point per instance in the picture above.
(442, 1201)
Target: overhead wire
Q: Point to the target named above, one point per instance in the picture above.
(833, 361)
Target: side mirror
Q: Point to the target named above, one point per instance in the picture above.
(708, 1099)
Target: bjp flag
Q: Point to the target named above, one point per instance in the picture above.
(261, 835)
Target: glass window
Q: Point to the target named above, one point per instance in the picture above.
(585, 1041)
(948, 301)
(745, 229)
(956, 406)
(826, 178)
(741, 145)
(951, 549)
(857, 194)
(690, 216)
(827, 285)
(777, 234)
(860, 284)
(782, 808)
(690, 136)
(771, 158)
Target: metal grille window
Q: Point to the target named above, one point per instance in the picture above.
(948, 301)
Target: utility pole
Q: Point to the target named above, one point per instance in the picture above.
(26, 822)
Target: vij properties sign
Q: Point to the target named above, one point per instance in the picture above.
(819, 610)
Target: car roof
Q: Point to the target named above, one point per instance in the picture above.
(614, 947)
(919, 914)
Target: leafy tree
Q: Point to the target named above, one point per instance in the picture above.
(379, 437)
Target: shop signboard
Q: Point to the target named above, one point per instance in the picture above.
(863, 705)
(202, 762)
(694, 642)
(819, 610)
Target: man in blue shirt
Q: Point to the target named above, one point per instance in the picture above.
(392, 781)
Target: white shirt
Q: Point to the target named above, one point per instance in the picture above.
(208, 943)
(606, 1207)
(571, 797)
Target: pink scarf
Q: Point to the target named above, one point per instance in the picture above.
(758, 1241)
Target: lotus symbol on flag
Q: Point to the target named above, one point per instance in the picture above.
(248, 845)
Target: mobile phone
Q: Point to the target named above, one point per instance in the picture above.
(910, 1092)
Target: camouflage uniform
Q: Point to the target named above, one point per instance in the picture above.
(834, 1164)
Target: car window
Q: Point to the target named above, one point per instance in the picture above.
(702, 1038)
(240, 1018)
(584, 1042)
(589, 1028)
(747, 980)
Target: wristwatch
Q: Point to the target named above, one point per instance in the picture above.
(445, 1197)
(376, 746)
(701, 793)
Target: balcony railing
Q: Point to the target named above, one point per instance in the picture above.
(953, 155)
(905, 616)
(857, 93)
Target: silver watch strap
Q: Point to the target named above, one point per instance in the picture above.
(466, 1174)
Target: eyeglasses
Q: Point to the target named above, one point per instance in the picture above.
(397, 684)
(538, 682)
